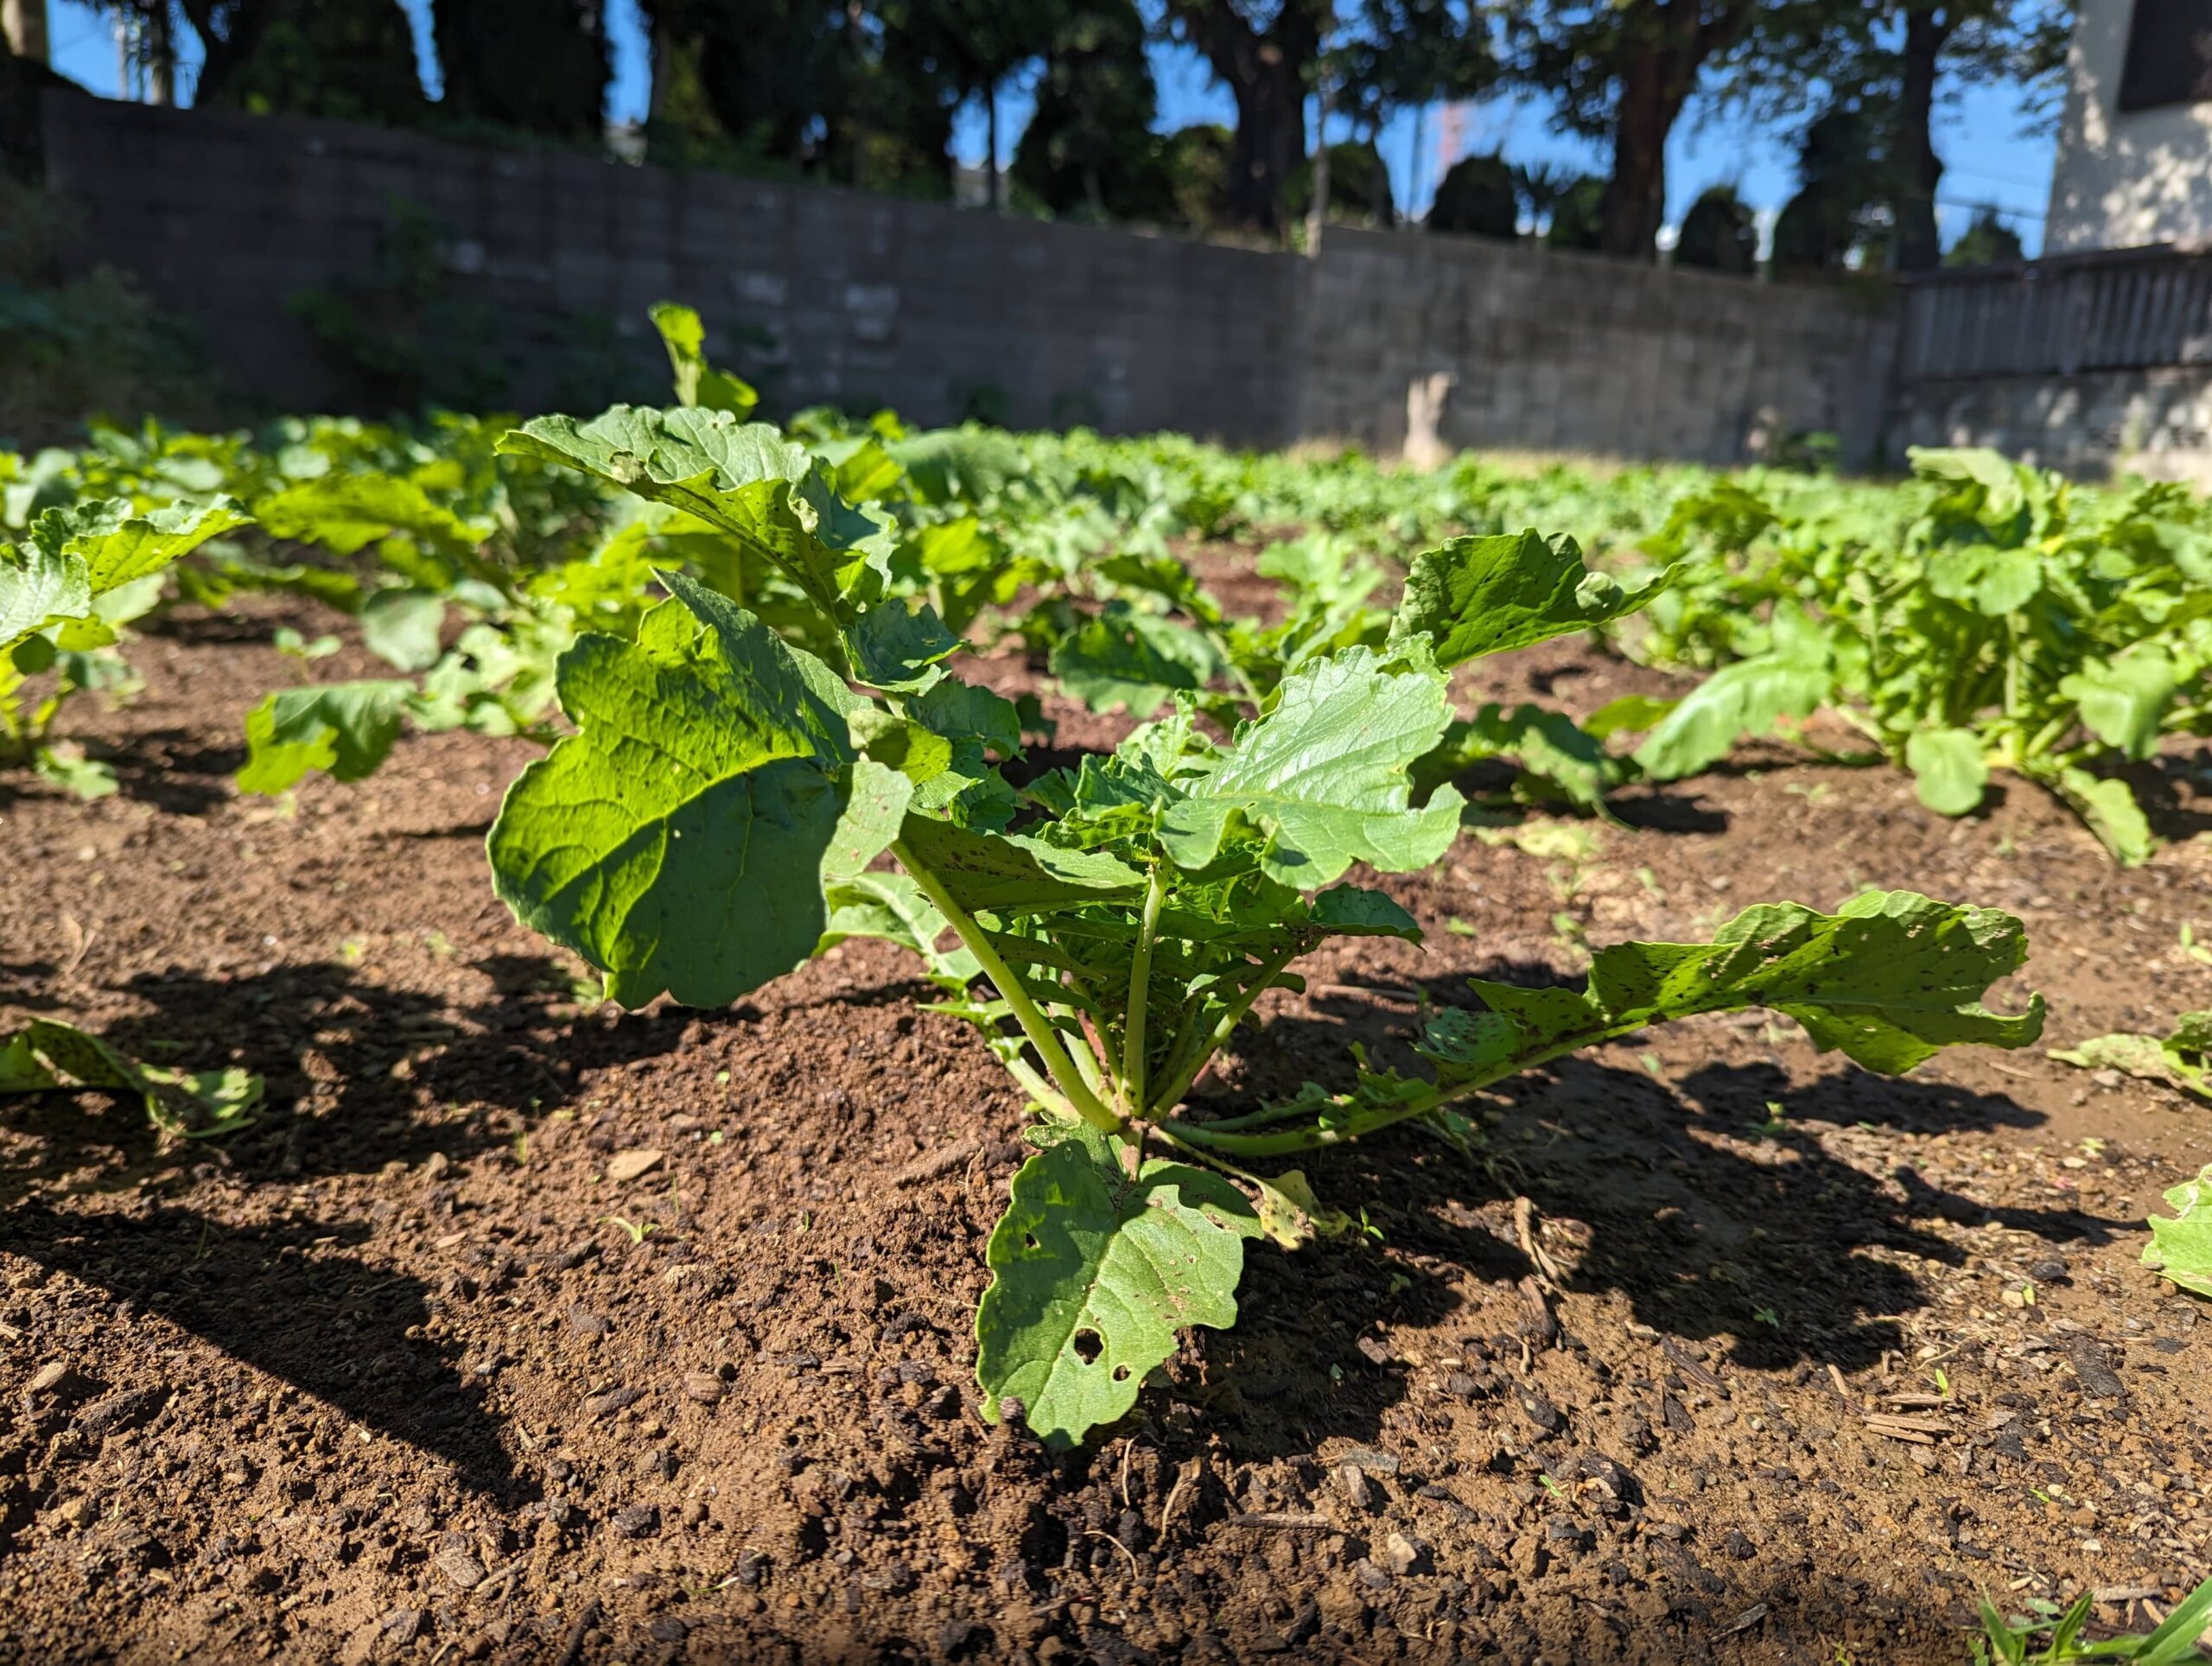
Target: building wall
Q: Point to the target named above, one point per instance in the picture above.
(828, 295)
(2156, 423)
(2124, 180)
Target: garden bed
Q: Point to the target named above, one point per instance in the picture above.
(1779, 1359)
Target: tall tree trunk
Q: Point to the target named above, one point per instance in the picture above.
(1658, 74)
(1269, 144)
(24, 24)
(1636, 195)
(1266, 74)
(1918, 247)
(161, 55)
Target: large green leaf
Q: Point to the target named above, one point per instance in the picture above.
(897, 647)
(46, 1055)
(346, 513)
(37, 587)
(1125, 657)
(1547, 746)
(1323, 777)
(697, 382)
(1012, 872)
(744, 479)
(1748, 698)
(346, 728)
(1949, 768)
(2109, 808)
(2182, 1058)
(1889, 979)
(682, 840)
(403, 626)
(2121, 701)
(120, 544)
(1484, 596)
(1094, 1273)
(2181, 1247)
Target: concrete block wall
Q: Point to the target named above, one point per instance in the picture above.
(2156, 423)
(829, 296)
(1557, 351)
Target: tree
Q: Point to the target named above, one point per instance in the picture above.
(1359, 185)
(1089, 149)
(538, 65)
(1622, 70)
(353, 61)
(864, 98)
(1719, 234)
(1198, 158)
(1267, 67)
(1477, 198)
(976, 44)
(1988, 241)
(1890, 62)
(1579, 215)
(1395, 55)
(1844, 192)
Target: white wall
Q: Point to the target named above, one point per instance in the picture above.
(2123, 181)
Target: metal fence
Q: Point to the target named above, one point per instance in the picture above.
(2130, 309)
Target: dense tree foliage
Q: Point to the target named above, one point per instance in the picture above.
(1478, 197)
(866, 93)
(1718, 233)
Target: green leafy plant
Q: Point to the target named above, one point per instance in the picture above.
(47, 1057)
(1997, 620)
(66, 595)
(2181, 1247)
(2029, 1641)
(733, 800)
(2177, 1059)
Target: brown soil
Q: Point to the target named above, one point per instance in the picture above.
(402, 1374)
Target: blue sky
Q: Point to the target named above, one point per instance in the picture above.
(1988, 153)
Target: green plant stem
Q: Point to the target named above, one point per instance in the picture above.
(1210, 1137)
(1040, 1090)
(1133, 1039)
(1042, 1035)
(1179, 1084)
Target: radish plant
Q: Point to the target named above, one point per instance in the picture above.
(67, 595)
(732, 802)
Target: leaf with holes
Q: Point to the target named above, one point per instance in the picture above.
(1094, 1273)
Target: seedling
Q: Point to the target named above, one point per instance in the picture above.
(732, 803)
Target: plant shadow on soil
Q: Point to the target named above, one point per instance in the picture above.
(285, 1298)
(1715, 1218)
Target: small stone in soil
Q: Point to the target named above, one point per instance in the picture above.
(1540, 1412)
(669, 1629)
(403, 1625)
(626, 1166)
(638, 1521)
(599, 1407)
(587, 1323)
(1738, 1546)
(659, 1461)
(1403, 1555)
(1353, 1485)
(458, 1563)
(703, 1386)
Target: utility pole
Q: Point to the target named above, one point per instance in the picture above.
(24, 22)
